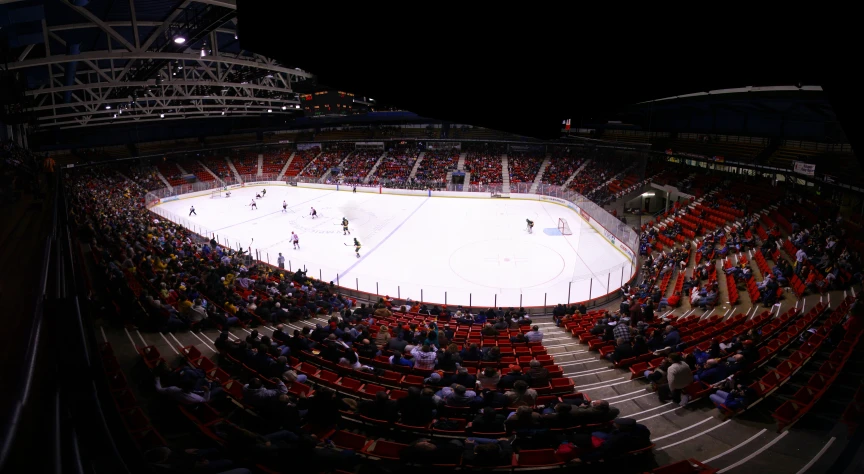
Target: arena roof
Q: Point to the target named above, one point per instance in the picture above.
(98, 62)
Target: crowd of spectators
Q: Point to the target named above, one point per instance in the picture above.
(329, 158)
(436, 164)
(485, 167)
(301, 159)
(564, 163)
(524, 166)
(358, 165)
(397, 165)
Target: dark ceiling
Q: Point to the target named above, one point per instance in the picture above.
(524, 70)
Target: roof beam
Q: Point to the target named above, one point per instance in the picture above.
(232, 4)
(74, 87)
(102, 26)
(123, 55)
(117, 121)
(121, 24)
(134, 24)
(165, 24)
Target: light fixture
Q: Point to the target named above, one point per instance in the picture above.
(235, 36)
(179, 67)
(107, 107)
(161, 115)
(223, 112)
(283, 107)
(121, 111)
(269, 110)
(115, 115)
(179, 39)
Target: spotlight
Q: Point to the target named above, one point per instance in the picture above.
(107, 107)
(115, 115)
(179, 39)
(223, 112)
(269, 110)
(161, 115)
(283, 107)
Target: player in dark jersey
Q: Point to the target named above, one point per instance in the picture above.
(345, 230)
(263, 192)
(313, 213)
(357, 247)
(530, 226)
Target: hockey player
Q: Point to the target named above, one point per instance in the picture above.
(357, 247)
(284, 206)
(227, 194)
(313, 213)
(530, 226)
(253, 205)
(296, 240)
(192, 211)
(264, 192)
(345, 230)
(258, 196)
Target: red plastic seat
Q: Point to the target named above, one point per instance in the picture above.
(348, 440)
(370, 390)
(533, 458)
(384, 449)
(191, 353)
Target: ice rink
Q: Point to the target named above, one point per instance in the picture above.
(464, 250)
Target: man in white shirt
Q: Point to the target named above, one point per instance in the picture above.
(800, 257)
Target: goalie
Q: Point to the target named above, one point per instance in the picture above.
(530, 227)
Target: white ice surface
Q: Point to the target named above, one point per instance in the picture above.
(472, 249)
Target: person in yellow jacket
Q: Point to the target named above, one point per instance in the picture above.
(229, 280)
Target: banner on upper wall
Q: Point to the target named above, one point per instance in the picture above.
(308, 146)
(804, 168)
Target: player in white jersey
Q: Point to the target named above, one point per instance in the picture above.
(192, 211)
(296, 239)
(284, 206)
(253, 205)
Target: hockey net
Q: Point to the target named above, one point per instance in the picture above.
(564, 227)
(216, 193)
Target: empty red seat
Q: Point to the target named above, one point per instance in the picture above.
(534, 458)
(384, 449)
(348, 440)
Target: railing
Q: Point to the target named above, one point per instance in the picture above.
(593, 282)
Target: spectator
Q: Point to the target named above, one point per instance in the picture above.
(254, 393)
(512, 377)
(424, 357)
(488, 421)
(521, 395)
(679, 376)
(538, 376)
(418, 408)
(524, 418)
(457, 396)
(381, 408)
(534, 335)
(481, 452)
(489, 378)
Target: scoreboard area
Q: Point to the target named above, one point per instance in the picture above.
(331, 102)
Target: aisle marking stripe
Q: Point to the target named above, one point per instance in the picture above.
(758, 452)
(817, 456)
(736, 447)
(692, 437)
